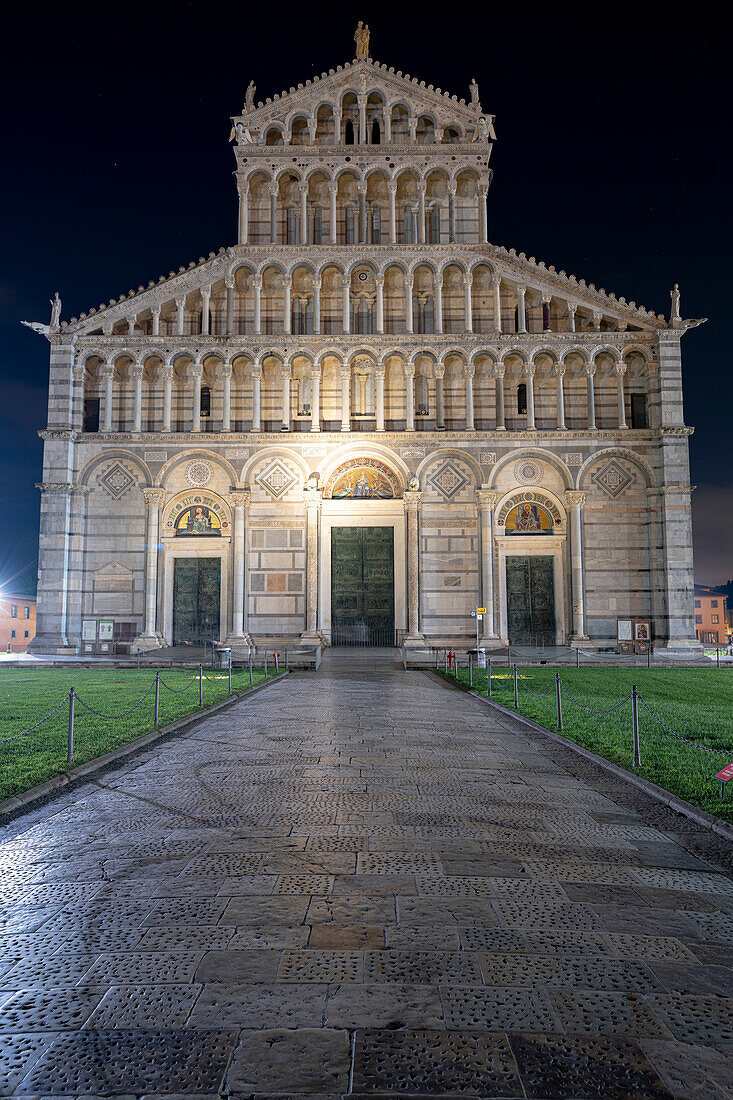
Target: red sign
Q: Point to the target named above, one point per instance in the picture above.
(726, 774)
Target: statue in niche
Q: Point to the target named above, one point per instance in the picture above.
(414, 485)
(361, 37)
(475, 101)
(249, 98)
(55, 310)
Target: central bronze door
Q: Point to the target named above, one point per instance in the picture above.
(362, 586)
(196, 594)
(530, 600)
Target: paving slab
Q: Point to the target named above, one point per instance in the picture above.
(362, 883)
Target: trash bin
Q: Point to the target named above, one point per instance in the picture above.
(479, 656)
(223, 656)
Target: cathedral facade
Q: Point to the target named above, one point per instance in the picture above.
(363, 421)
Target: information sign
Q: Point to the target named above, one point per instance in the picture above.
(106, 629)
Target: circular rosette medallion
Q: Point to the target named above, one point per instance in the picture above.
(199, 473)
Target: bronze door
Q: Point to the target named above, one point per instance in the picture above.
(196, 595)
(362, 586)
(530, 600)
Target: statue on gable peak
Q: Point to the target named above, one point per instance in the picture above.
(361, 37)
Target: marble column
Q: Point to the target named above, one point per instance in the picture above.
(620, 372)
(107, 374)
(154, 500)
(468, 372)
(316, 399)
(257, 287)
(486, 501)
(167, 395)
(180, 315)
(451, 213)
(379, 398)
(496, 287)
(257, 397)
(317, 305)
(388, 125)
(303, 188)
(421, 188)
(499, 372)
(345, 399)
(77, 397)
(409, 397)
(362, 101)
(346, 303)
(409, 284)
(205, 306)
(239, 501)
(312, 513)
(380, 302)
(483, 230)
(229, 321)
(529, 375)
(273, 212)
(243, 215)
(137, 417)
(438, 303)
(196, 375)
(546, 322)
(468, 308)
(571, 317)
(413, 638)
(439, 371)
(590, 371)
(285, 376)
(332, 193)
(226, 397)
(287, 315)
(155, 316)
(575, 502)
(560, 375)
(521, 308)
(361, 191)
(392, 192)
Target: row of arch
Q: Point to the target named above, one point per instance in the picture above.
(357, 118)
(365, 298)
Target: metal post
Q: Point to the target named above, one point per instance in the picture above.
(488, 692)
(516, 690)
(577, 658)
(265, 664)
(558, 697)
(717, 656)
(157, 698)
(446, 662)
(470, 671)
(286, 660)
(635, 723)
(230, 672)
(70, 754)
(201, 685)
(277, 661)
(436, 660)
(250, 668)
(138, 659)
(649, 657)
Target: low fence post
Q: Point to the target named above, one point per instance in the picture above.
(558, 699)
(488, 690)
(635, 724)
(577, 658)
(265, 664)
(516, 690)
(250, 668)
(201, 685)
(138, 659)
(717, 656)
(436, 660)
(157, 698)
(286, 660)
(470, 671)
(446, 662)
(277, 661)
(230, 672)
(70, 753)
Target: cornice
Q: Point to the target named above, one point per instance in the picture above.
(580, 437)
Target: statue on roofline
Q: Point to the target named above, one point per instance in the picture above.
(242, 133)
(55, 310)
(481, 133)
(675, 296)
(475, 101)
(249, 99)
(361, 37)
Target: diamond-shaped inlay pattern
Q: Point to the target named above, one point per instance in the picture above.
(612, 478)
(116, 480)
(448, 479)
(276, 479)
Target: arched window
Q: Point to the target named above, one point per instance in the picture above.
(304, 396)
(421, 395)
(376, 132)
(349, 132)
(205, 402)
(521, 398)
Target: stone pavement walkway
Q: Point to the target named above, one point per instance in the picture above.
(370, 886)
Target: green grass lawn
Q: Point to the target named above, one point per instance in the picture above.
(696, 703)
(27, 695)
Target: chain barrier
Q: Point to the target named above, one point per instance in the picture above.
(679, 737)
(532, 691)
(122, 714)
(590, 710)
(178, 691)
(17, 736)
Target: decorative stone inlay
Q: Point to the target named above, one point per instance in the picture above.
(276, 479)
(155, 456)
(612, 479)
(116, 480)
(574, 458)
(199, 473)
(529, 471)
(487, 458)
(236, 452)
(448, 479)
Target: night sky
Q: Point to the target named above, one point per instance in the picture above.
(609, 164)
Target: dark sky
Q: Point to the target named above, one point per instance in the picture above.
(610, 164)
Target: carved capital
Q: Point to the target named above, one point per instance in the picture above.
(239, 498)
(574, 499)
(469, 370)
(486, 499)
(154, 498)
(412, 499)
(138, 371)
(620, 369)
(54, 486)
(78, 373)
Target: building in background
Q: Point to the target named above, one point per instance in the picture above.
(711, 615)
(362, 420)
(17, 622)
